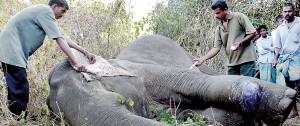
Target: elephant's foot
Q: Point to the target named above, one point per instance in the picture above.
(294, 113)
(284, 107)
(267, 103)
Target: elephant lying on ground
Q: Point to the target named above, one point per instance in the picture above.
(154, 70)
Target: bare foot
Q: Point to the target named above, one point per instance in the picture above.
(293, 116)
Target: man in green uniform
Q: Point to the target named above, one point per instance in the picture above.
(22, 36)
(234, 33)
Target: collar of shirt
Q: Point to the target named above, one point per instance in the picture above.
(296, 20)
(268, 37)
(230, 16)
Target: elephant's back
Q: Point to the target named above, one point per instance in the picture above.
(156, 49)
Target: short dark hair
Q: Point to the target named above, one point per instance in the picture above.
(289, 5)
(219, 4)
(60, 3)
(261, 27)
(278, 18)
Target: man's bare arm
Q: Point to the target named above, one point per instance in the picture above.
(67, 50)
(91, 57)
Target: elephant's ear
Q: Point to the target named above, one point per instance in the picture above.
(156, 49)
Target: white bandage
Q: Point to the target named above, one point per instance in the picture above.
(193, 65)
(233, 48)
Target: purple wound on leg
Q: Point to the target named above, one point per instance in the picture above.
(250, 97)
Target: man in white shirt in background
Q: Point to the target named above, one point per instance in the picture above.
(287, 43)
(266, 54)
(278, 20)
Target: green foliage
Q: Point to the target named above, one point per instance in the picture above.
(164, 116)
(192, 120)
(102, 29)
(22, 116)
(121, 99)
(152, 108)
(45, 108)
(128, 102)
(260, 12)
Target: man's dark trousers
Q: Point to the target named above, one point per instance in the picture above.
(18, 88)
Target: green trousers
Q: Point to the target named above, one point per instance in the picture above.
(246, 69)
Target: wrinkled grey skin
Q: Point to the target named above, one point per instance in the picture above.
(163, 75)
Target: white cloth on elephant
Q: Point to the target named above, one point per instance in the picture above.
(101, 68)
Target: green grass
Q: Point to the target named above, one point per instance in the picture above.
(193, 119)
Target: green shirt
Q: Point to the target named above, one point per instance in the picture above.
(237, 28)
(25, 33)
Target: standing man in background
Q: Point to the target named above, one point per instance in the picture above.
(266, 54)
(287, 44)
(23, 34)
(278, 20)
(234, 33)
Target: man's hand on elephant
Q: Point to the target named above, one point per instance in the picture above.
(80, 68)
(91, 57)
(198, 61)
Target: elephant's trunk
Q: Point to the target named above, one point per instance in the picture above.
(247, 95)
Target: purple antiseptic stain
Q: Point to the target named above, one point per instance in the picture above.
(250, 97)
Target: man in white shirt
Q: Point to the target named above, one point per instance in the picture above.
(287, 43)
(278, 20)
(266, 54)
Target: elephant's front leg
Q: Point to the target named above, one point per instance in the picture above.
(248, 95)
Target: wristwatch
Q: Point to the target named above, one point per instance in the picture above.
(241, 43)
